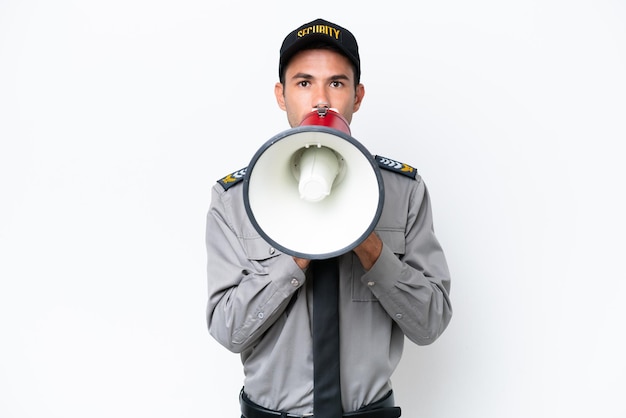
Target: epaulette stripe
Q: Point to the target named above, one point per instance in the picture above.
(396, 166)
(232, 179)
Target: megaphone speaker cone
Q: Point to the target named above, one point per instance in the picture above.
(313, 192)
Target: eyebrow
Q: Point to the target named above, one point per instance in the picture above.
(301, 75)
(309, 76)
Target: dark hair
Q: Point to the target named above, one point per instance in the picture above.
(327, 46)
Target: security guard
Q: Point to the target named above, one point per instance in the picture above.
(394, 285)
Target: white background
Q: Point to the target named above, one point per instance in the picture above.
(117, 117)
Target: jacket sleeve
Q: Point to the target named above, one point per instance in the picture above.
(249, 284)
(414, 287)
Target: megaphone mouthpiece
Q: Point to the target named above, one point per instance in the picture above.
(325, 116)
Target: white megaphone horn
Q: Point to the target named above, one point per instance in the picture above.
(314, 191)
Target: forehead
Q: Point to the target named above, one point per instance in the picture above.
(320, 61)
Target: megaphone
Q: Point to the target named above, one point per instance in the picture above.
(314, 191)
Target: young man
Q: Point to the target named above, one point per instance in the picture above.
(395, 284)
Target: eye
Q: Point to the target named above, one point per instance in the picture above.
(336, 83)
(304, 83)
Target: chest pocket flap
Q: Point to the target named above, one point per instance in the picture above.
(258, 249)
(394, 239)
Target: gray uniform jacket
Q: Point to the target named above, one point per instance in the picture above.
(259, 301)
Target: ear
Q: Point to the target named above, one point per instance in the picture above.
(358, 97)
(279, 92)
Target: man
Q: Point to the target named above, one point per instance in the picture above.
(394, 284)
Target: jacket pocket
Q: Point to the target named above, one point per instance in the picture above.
(394, 239)
(257, 249)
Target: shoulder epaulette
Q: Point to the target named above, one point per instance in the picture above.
(396, 166)
(232, 179)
